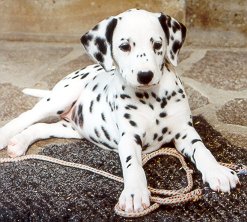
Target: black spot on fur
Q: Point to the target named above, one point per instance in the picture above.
(163, 103)
(157, 122)
(106, 133)
(139, 95)
(153, 95)
(175, 26)
(160, 138)
(98, 70)
(132, 123)
(85, 39)
(95, 87)
(127, 115)
(91, 107)
(84, 75)
(138, 140)
(73, 104)
(101, 44)
(193, 156)
(151, 106)
(48, 99)
(164, 24)
(75, 77)
(169, 21)
(195, 140)
(176, 46)
(145, 146)
(184, 136)
(177, 136)
(94, 140)
(110, 29)
(155, 136)
(163, 114)
(99, 57)
(130, 107)
(128, 159)
(158, 99)
(66, 86)
(103, 116)
(172, 55)
(128, 167)
(79, 111)
(59, 112)
(105, 88)
(124, 96)
(80, 115)
(95, 27)
(96, 133)
(98, 98)
(146, 95)
(164, 130)
(190, 124)
(182, 151)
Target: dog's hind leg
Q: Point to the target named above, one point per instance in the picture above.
(19, 144)
(53, 104)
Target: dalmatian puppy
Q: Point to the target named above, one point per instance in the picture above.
(133, 107)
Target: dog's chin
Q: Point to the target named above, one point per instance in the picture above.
(145, 87)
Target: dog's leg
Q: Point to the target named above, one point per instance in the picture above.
(19, 144)
(135, 196)
(219, 178)
(53, 105)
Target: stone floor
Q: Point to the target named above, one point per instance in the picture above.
(215, 80)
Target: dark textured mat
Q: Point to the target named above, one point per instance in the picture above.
(40, 191)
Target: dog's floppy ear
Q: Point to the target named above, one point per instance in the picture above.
(98, 42)
(175, 33)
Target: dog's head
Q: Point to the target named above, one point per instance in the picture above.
(137, 42)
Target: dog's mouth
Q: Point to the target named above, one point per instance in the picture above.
(144, 87)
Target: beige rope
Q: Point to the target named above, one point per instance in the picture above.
(165, 197)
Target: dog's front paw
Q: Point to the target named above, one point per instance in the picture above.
(17, 146)
(134, 199)
(220, 178)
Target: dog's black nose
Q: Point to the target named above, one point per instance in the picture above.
(145, 77)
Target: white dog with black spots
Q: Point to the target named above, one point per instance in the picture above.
(132, 107)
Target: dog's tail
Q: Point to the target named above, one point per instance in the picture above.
(36, 92)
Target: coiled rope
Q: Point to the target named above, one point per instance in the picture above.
(162, 197)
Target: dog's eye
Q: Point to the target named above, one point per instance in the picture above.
(125, 47)
(157, 45)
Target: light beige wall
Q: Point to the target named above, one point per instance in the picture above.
(225, 15)
(66, 20)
